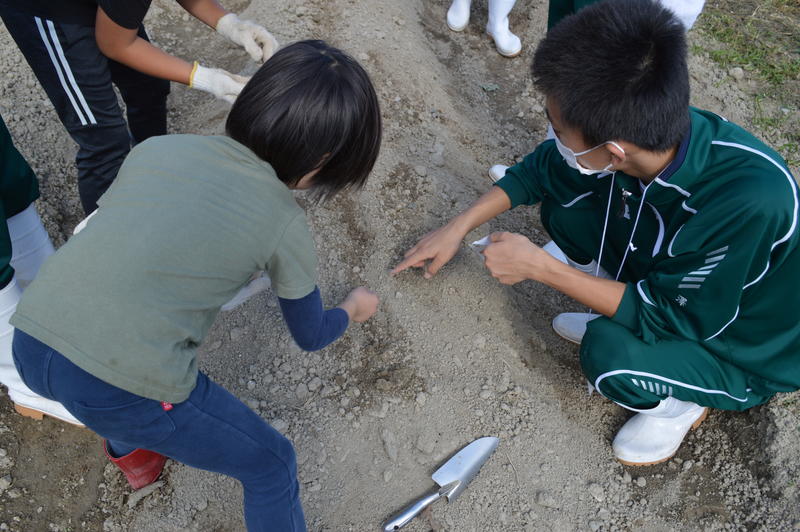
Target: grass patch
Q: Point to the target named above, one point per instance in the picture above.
(760, 36)
(763, 38)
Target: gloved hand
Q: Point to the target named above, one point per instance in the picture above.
(258, 283)
(255, 39)
(220, 83)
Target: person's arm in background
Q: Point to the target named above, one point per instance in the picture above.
(313, 327)
(124, 45)
(206, 11)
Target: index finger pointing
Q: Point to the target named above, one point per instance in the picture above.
(410, 261)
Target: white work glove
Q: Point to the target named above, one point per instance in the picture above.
(220, 83)
(258, 283)
(255, 39)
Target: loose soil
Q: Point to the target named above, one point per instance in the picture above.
(445, 361)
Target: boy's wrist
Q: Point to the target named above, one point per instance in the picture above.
(492, 203)
(553, 272)
(462, 224)
(536, 265)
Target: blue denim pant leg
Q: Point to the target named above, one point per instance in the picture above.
(217, 432)
(211, 430)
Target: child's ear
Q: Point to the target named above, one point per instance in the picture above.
(305, 182)
(618, 155)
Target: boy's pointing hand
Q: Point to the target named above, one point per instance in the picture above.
(438, 247)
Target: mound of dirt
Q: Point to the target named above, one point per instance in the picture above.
(444, 362)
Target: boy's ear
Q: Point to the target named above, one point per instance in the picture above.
(617, 152)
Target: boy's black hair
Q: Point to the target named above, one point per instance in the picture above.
(311, 106)
(617, 70)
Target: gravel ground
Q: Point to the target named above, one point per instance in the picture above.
(444, 362)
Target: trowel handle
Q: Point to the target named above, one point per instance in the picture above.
(408, 513)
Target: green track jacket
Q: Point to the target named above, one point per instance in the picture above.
(714, 254)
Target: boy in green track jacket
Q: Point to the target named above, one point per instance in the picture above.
(678, 227)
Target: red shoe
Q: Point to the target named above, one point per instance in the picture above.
(141, 467)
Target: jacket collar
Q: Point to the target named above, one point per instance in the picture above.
(684, 173)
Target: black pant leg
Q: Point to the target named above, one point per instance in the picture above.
(76, 77)
(145, 97)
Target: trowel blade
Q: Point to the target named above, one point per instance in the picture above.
(459, 470)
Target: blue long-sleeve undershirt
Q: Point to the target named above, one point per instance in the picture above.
(312, 326)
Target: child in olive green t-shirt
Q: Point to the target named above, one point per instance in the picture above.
(119, 311)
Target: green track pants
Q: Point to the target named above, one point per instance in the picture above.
(628, 370)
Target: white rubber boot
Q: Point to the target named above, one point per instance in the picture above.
(653, 436)
(506, 42)
(30, 245)
(497, 172)
(458, 15)
(26, 402)
(554, 251)
(686, 10)
(572, 325)
(591, 269)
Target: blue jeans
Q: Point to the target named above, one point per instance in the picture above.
(210, 430)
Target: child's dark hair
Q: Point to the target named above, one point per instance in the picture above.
(617, 70)
(311, 106)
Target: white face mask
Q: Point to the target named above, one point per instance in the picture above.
(571, 158)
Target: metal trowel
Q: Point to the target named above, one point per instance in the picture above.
(452, 478)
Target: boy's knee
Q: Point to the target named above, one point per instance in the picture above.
(609, 352)
(574, 230)
(607, 346)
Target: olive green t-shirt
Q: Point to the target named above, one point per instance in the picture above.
(187, 222)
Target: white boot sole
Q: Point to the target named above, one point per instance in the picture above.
(458, 28)
(504, 53)
(694, 426)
